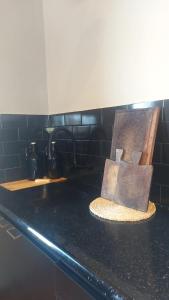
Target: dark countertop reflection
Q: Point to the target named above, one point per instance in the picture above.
(111, 260)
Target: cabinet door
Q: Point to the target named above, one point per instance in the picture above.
(66, 289)
(26, 273)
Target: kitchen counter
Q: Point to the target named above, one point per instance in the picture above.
(110, 260)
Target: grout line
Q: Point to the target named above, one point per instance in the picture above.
(160, 200)
(162, 113)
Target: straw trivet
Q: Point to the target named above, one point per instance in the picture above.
(110, 210)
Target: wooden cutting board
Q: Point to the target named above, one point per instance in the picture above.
(127, 184)
(135, 130)
(25, 184)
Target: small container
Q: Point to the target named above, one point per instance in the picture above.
(32, 161)
(53, 162)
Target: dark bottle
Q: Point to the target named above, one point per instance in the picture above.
(54, 162)
(32, 160)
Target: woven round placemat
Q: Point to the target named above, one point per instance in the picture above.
(110, 210)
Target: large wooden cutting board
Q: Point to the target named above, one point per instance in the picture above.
(127, 184)
(135, 130)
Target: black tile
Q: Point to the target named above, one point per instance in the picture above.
(98, 163)
(81, 132)
(157, 153)
(165, 153)
(91, 117)
(91, 161)
(108, 131)
(95, 148)
(56, 120)
(120, 107)
(2, 176)
(108, 115)
(67, 159)
(10, 134)
(37, 121)
(106, 148)
(64, 145)
(97, 133)
(163, 132)
(165, 195)
(166, 111)
(161, 174)
(73, 119)
(82, 147)
(22, 161)
(155, 193)
(7, 161)
(16, 174)
(63, 133)
(83, 160)
(41, 145)
(1, 148)
(30, 134)
(14, 121)
(14, 147)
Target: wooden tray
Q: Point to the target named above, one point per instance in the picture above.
(25, 184)
(135, 130)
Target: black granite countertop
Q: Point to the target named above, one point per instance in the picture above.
(110, 260)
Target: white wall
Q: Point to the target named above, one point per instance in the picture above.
(106, 52)
(98, 53)
(23, 87)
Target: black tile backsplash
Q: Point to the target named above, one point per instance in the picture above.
(16, 132)
(63, 133)
(37, 121)
(97, 133)
(16, 173)
(9, 161)
(83, 139)
(1, 148)
(164, 194)
(16, 147)
(10, 134)
(73, 119)
(56, 120)
(81, 132)
(31, 133)
(13, 121)
(91, 117)
(164, 154)
(2, 176)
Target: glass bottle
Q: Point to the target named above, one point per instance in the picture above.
(32, 159)
(54, 161)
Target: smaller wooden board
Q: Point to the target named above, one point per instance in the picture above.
(25, 184)
(128, 184)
